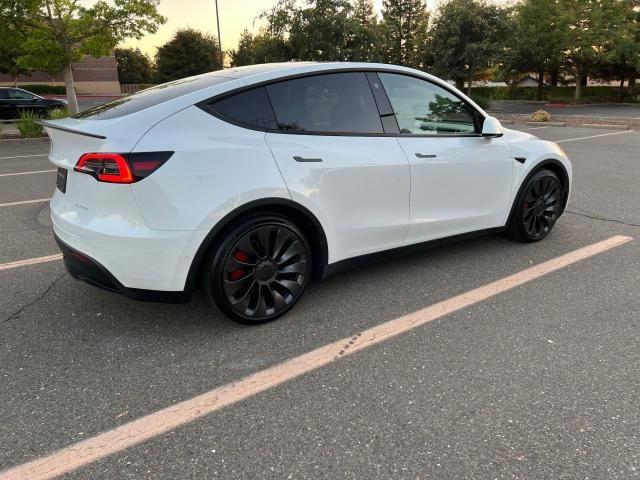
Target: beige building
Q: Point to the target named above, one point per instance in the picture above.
(92, 76)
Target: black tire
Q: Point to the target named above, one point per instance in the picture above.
(259, 269)
(537, 208)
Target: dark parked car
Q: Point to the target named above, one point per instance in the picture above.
(14, 101)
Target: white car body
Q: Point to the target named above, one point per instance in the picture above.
(370, 193)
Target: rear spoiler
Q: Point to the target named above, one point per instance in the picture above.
(47, 124)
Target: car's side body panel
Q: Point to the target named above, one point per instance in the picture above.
(458, 185)
(216, 168)
(531, 152)
(357, 187)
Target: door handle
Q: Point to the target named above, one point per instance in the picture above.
(422, 155)
(301, 159)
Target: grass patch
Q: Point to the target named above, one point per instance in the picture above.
(27, 125)
(58, 113)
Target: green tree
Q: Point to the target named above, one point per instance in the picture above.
(10, 41)
(404, 31)
(133, 66)
(260, 48)
(321, 31)
(188, 53)
(620, 57)
(592, 29)
(365, 39)
(55, 33)
(537, 40)
(468, 37)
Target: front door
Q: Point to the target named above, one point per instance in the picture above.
(460, 181)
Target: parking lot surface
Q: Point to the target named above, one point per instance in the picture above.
(538, 381)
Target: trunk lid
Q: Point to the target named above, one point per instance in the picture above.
(75, 208)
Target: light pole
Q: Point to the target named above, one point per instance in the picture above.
(219, 38)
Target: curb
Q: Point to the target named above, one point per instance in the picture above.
(547, 124)
(25, 141)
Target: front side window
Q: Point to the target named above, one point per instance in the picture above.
(423, 108)
(329, 103)
(251, 108)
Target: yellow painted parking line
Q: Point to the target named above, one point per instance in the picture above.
(25, 173)
(24, 202)
(145, 428)
(30, 261)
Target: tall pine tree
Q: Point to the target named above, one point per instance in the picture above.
(404, 27)
(364, 42)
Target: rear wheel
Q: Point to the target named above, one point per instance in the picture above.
(537, 208)
(259, 270)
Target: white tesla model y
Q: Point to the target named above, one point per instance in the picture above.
(248, 182)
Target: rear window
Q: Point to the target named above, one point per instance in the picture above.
(251, 108)
(151, 97)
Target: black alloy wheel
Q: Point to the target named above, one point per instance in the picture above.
(261, 270)
(538, 208)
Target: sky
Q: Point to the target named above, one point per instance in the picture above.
(235, 16)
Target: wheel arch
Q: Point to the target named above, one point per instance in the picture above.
(556, 167)
(297, 213)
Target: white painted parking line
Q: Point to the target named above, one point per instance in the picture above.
(593, 136)
(25, 173)
(30, 261)
(25, 156)
(24, 202)
(145, 428)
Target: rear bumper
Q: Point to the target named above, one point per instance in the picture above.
(85, 268)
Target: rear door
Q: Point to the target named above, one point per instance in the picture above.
(460, 181)
(337, 161)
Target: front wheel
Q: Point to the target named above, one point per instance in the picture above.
(537, 208)
(259, 270)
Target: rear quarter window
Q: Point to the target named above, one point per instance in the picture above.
(250, 108)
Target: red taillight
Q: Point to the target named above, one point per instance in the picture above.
(121, 168)
(106, 167)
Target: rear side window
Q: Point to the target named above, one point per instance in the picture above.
(330, 103)
(250, 108)
(4, 93)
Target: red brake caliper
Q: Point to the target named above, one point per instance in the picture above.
(238, 272)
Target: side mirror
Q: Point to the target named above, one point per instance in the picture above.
(491, 128)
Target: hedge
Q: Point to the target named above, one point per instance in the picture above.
(48, 89)
(560, 94)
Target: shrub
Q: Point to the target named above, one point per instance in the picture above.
(48, 89)
(28, 126)
(540, 116)
(483, 102)
(58, 113)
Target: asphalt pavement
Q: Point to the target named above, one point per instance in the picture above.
(540, 381)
